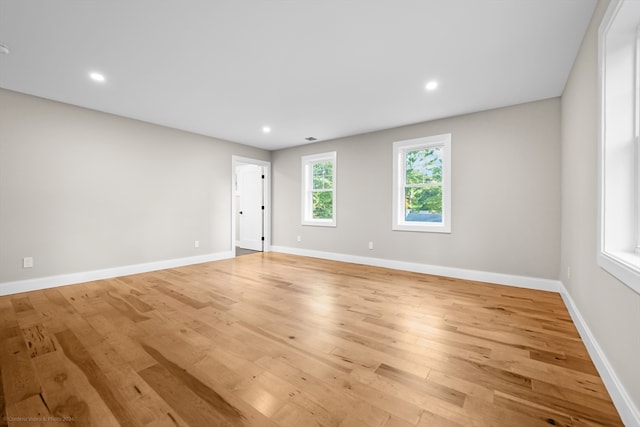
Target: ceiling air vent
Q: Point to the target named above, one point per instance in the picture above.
(311, 139)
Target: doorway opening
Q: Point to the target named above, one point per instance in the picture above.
(250, 206)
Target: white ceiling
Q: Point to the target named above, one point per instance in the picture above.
(322, 68)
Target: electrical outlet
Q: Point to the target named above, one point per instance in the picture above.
(196, 244)
(569, 272)
(27, 262)
(370, 245)
(299, 238)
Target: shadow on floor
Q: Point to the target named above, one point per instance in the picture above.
(241, 251)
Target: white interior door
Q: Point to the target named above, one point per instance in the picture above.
(250, 206)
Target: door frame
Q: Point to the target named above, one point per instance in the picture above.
(266, 197)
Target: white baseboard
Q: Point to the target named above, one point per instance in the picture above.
(623, 403)
(458, 273)
(626, 408)
(8, 288)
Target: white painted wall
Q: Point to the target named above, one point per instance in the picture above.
(610, 309)
(82, 190)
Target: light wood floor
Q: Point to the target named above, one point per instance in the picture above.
(277, 340)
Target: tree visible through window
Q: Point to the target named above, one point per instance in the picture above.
(322, 190)
(319, 189)
(422, 184)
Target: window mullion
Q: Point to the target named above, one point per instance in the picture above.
(424, 184)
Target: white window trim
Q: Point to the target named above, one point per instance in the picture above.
(620, 259)
(399, 147)
(307, 182)
(637, 141)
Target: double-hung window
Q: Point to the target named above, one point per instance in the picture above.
(422, 184)
(319, 189)
(619, 243)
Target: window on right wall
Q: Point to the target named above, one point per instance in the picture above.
(619, 167)
(422, 184)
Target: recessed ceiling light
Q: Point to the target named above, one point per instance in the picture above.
(97, 77)
(266, 129)
(432, 85)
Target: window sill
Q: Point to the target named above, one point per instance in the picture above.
(625, 266)
(422, 228)
(319, 223)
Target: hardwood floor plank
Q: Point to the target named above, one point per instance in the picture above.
(306, 388)
(261, 399)
(579, 405)
(279, 340)
(19, 378)
(564, 361)
(352, 420)
(490, 414)
(421, 385)
(3, 405)
(124, 308)
(38, 340)
(54, 296)
(210, 396)
(429, 419)
(59, 394)
(184, 401)
(76, 353)
(381, 399)
(32, 412)
(532, 409)
(21, 304)
(167, 289)
(137, 303)
(546, 372)
(292, 415)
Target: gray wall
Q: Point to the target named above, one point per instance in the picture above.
(611, 309)
(82, 190)
(505, 200)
